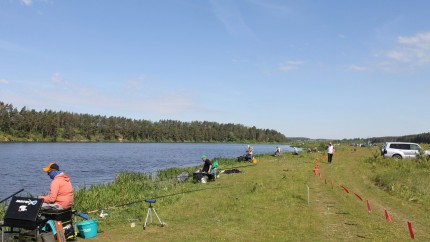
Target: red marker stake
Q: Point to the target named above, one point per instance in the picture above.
(411, 231)
(344, 188)
(387, 216)
(358, 196)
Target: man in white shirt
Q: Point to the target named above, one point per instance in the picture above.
(330, 151)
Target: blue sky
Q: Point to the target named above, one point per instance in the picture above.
(318, 69)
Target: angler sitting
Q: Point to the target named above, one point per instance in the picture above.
(206, 170)
(277, 151)
(248, 155)
(60, 196)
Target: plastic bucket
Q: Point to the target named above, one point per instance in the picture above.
(87, 229)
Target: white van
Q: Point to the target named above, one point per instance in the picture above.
(402, 150)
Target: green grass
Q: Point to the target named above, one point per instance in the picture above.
(269, 201)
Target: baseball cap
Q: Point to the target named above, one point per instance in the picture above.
(203, 156)
(51, 166)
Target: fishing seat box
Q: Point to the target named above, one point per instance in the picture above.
(23, 213)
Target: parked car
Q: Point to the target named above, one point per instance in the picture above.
(403, 150)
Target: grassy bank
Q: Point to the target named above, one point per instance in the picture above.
(269, 201)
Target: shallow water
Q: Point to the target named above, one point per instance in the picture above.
(92, 163)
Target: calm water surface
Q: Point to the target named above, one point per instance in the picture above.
(91, 163)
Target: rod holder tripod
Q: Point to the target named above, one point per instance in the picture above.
(149, 214)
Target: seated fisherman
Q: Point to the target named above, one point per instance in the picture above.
(248, 155)
(60, 196)
(277, 151)
(207, 167)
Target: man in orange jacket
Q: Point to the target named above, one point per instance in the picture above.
(60, 196)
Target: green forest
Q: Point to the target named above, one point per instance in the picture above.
(423, 138)
(26, 125)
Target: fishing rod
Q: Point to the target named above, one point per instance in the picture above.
(142, 200)
(12, 195)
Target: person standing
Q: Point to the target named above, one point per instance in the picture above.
(60, 196)
(330, 151)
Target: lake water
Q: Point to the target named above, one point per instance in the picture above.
(92, 163)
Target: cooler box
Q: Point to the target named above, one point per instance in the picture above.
(87, 229)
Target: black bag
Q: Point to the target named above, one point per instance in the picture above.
(197, 176)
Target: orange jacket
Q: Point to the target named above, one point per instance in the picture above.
(61, 191)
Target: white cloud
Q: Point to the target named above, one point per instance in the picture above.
(290, 65)
(27, 2)
(230, 15)
(279, 9)
(358, 68)
(341, 36)
(17, 48)
(414, 50)
(62, 85)
(422, 40)
(57, 78)
(3, 81)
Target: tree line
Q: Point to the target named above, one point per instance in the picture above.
(52, 126)
(423, 138)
